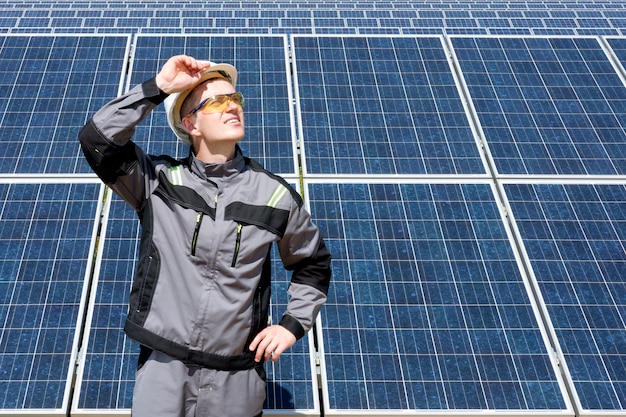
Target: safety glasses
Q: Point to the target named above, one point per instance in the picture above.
(218, 104)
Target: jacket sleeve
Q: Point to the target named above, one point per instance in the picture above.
(304, 252)
(107, 146)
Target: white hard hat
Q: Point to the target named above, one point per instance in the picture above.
(174, 101)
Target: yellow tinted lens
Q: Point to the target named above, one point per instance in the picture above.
(238, 99)
(220, 103)
(216, 104)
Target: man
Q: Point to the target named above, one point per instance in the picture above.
(199, 300)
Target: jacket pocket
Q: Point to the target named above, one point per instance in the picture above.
(196, 232)
(144, 284)
(237, 245)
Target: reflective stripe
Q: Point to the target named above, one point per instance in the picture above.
(177, 178)
(277, 196)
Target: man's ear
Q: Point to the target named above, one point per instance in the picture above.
(189, 124)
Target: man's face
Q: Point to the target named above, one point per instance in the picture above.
(215, 127)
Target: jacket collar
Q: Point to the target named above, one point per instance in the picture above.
(225, 170)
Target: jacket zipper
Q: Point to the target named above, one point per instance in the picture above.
(196, 232)
(237, 245)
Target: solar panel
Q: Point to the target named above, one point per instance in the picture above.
(107, 370)
(575, 238)
(618, 46)
(428, 309)
(381, 105)
(48, 87)
(546, 105)
(264, 80)
(47, 231)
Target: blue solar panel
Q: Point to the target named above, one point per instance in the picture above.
(46, 233)
(264, 80)
(428, 309)
(618, 45)
(108, 367)
(106, 376)
(373, 105)
(575, 239)
(48, 87)
(547, 105)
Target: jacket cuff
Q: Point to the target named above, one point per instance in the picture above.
(293, 326)
(153, 92)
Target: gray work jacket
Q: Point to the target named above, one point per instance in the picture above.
(202, 286)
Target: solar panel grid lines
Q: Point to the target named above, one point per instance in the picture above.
(105, 375)
(428, 309)
(264, 79)
(617, 47)
(574, 243)
(47, 230)
(546, 105)
(373, 105)
(457, 18)
(47, 84)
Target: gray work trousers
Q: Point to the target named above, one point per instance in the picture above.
(166, 387)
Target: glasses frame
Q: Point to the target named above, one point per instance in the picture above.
(240, 101)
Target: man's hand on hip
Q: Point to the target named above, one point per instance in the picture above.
(272, 342)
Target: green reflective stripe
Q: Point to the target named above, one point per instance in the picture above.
(177, 177)
(277, 196)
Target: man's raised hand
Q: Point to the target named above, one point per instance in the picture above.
(180, 73)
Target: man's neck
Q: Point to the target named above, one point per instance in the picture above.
(216, 154)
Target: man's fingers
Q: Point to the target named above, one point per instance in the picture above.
(271, 342)
(256, 346)
(272, 350)
(179, 73)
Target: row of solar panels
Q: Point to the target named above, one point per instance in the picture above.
(435, 7)
(572, 26)
(471, 190)
(365, 105)
(519, 27)
(430, 309)
(483, 10)
(469, 17)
